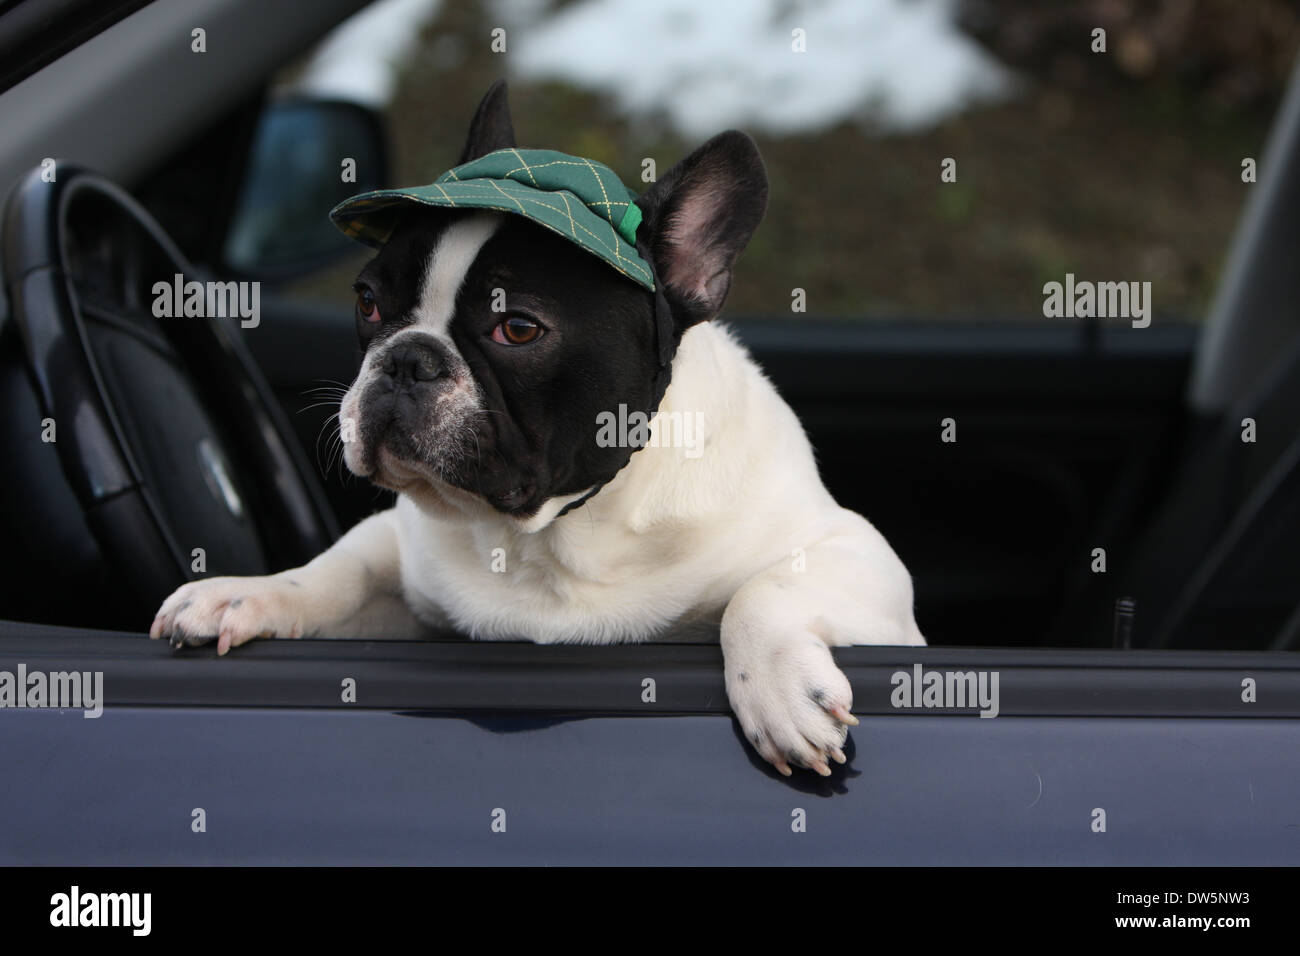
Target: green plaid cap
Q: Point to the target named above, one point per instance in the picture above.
(582, 200)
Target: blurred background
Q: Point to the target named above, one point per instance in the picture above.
(1096, 461)
(1123, 164)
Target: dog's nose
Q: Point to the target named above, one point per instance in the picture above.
(413, 362)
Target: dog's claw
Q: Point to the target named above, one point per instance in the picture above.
(841, 713)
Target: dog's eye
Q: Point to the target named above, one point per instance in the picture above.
(517, 330)
(366, 306)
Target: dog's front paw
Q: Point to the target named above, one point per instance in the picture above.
(793, 703)
(230, 611)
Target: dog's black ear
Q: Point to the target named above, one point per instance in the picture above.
(698, 217)
(491, 128)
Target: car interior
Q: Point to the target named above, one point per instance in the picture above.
(130, 439)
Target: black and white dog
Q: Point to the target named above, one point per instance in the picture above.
(486, 425)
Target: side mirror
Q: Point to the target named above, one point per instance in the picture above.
(304, 155)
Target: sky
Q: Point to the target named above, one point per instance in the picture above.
(902, 64)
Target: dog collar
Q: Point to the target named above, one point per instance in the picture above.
(579, 199)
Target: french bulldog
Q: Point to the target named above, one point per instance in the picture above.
(514, 519)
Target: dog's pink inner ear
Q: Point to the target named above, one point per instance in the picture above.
(703, 211)
(696, 263)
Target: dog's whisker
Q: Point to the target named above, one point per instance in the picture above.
(308, 408)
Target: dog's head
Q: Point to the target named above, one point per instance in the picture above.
(492, 344)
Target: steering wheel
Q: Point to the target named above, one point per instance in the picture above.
(167, 433)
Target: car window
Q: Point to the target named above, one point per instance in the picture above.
(927, 160)
(959, 191)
